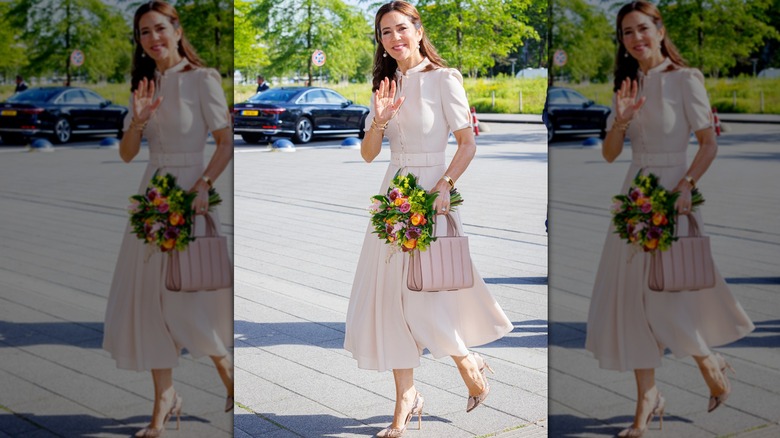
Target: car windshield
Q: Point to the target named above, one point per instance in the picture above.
(35, 95)
(273, 95)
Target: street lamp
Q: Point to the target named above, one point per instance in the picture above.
(513, 60)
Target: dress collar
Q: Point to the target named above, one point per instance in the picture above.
(416, 69)
(176, 68)
(658, 68)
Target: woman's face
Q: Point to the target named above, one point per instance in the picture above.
(158, 37)
(641, 37)
(399, 37)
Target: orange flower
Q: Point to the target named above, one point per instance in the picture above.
(418, 219)
(158, 200)
(399, 201)
(410, 244)
(651, 244)
(176, 219)
(659, 219)
(641, 200)
(168, 244)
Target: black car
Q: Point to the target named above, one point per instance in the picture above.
(297, 112)
(58, 112)
(569, 112)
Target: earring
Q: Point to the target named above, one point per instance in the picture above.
(143, 54)
(418, 46)
(625, 55)
(384, 55)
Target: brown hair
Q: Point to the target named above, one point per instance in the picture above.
(627, 66)
(384, 67)
(144, 66)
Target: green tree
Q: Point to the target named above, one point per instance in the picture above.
(715, 35)
(52, 29)
(294, 29)
(250, 50)
(471, 34)
(209, 26)
(584, 32)
(13, 49)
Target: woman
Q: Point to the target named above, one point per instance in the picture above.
(388, 326)
(658, 103)
(176, 102)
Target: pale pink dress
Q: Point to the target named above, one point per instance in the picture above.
(146, 326)
(388, 326)
(629, 326)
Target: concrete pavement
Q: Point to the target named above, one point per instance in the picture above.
(301, 218)
(63, 215)
(741, 192)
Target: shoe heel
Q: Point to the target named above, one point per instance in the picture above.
(489, 368)
(419, 421)
(661, 419)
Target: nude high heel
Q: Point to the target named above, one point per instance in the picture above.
(153, 432)
(476, 400)
(658, 409)
(417, 409)
(717, 400)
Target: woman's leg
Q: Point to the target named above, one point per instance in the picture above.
(224, 365)
(712, 374)
(404, 396)
(163, 396)
(469, 372)
(647, 394)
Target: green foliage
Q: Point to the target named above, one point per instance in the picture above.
(714, 35)
(470, 34)
(209, 27)
(250, 51)
(13, 49)
(291, 30)
(584, 32)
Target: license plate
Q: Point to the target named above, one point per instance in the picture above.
(9, 112)
(249, 113)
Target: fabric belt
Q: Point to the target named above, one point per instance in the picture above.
(176, 159)
(417, 160)
(661, 159)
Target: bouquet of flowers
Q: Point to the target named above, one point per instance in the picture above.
(404, 216)
(163, 215)
(646, 216)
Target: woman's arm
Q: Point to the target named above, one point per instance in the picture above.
(142, 106)
(383, 108)
(708, 149)
(467, 148)
(218, 163)
(625, 108)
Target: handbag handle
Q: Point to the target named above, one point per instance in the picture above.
(693, 225)
(451, 230)
(211, 228)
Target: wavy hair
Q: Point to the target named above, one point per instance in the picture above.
(627, 66)
(144, 66)
(385, 67)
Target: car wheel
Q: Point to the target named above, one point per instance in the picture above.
(303, 130)
(362, 124)
(62, 131)
(550, 133)
(253, 138)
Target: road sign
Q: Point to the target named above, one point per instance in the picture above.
(559, 59)
(77, 58)
(318, 58)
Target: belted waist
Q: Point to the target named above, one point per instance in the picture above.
(175, 159)
(417, 160)
(659, 159)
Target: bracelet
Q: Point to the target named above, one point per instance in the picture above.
(378, 126)
(139, 126)
(691, 181)
(449, 181)
(621, 126)
(207, 180)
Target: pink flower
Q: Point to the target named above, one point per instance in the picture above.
(399, 226)
(134, 206)
(394, 194)
(635, 194)
(647, 207)
(163, 208)
(616, 207)
(405, 207)
(375, 207)
(152, 194)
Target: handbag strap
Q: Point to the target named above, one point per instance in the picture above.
(452, 231)
(693, 225)
(211, 227)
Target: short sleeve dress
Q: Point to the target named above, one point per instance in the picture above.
(146, 325)
(388, 326)
(630, 326)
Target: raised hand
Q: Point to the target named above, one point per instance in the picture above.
(626, 105)
(144, 103)
(385, 105)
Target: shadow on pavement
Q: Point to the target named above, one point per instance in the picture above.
(78, 334)
(572, 335)
(82, 426)
(320, 425)
(331, 334)
(570, 426)
(516, 280)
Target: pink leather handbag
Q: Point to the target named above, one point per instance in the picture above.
(445, 265)
(686, 265)
(204, 265)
